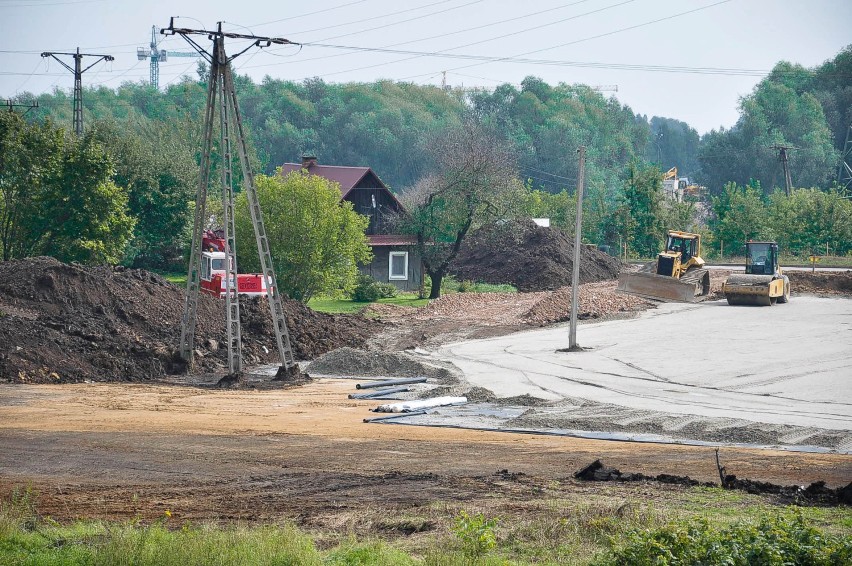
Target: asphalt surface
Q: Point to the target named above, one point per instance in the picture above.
(784, 365)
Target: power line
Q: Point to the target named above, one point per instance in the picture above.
(49, 4)
(599, 35)
(308, 14)
(465, 30)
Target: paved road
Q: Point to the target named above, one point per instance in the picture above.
(785, 365)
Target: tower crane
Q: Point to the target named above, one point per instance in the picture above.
(158, 56)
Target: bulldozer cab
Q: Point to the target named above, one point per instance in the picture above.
(685, 245)
(761, 258)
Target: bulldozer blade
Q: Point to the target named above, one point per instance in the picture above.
(656, 287)
(748, 290)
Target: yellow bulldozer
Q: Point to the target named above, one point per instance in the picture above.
(677, 275)
(763, 283)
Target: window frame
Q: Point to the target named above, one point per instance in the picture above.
(391, 276)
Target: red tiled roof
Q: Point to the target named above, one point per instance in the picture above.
(391, 240)
(346, 177)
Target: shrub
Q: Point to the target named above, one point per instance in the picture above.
(368, 290)
(775, 539)
(475, 533)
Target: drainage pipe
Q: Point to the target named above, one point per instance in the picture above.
(404, 381)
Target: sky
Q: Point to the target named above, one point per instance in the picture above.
(686, 59)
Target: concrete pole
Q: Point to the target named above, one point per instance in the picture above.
(578, 231)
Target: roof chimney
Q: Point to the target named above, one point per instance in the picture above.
(308, 161)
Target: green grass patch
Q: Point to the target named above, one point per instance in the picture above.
(348, 306)
(610, 526)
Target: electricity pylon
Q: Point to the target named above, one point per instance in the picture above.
(78, 80)
(221, 86)
(158, 56)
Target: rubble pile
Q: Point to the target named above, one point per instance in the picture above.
(530, 257)
(596, 300)
(67, 323)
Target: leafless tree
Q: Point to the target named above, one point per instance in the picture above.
(473, 182)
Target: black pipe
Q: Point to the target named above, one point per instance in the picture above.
(379, 392)
(394, 416)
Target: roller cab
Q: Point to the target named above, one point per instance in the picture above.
(763, 283)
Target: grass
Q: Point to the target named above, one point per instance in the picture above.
(348, 306)
(572, 528)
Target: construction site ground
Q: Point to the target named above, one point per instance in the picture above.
(133, 450)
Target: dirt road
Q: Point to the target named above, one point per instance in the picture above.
(123, 451)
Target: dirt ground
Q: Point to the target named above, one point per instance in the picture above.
(125, 450)
(121, 451)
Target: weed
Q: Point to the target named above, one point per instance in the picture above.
(475, 533)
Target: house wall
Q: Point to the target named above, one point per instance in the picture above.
(362, 200)
(378, 269)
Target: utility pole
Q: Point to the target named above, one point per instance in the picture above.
(221, 86)
(844, 169)
(782, 157)
(11, 105)
(78, 80)
(578, 232)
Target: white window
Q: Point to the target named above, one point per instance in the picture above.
(398, 266)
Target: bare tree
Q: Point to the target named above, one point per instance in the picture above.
(473, 183)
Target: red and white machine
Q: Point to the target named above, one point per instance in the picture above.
(213, 272)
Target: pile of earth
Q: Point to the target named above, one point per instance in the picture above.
(530, 257)
(821, 283)
(67, 323)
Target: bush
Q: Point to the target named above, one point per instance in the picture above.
(368, 290)
(475, 533)
(775, 539)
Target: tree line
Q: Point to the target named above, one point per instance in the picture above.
(123, 192)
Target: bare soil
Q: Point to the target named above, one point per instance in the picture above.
(123, 451)
(530, 257)
(69, 323)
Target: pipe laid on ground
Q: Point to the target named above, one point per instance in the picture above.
(379, 392)
(394, 416)
(412, 406)
(403, 381)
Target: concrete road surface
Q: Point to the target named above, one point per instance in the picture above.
(788, 365)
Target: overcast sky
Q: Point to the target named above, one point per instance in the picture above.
(685, 59)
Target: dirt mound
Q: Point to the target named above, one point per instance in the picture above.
(530, 257)
(65, 323)
(821, 283)
(596, 300)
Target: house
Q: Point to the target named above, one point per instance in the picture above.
(395, 257)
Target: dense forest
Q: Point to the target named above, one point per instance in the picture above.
(153, 137)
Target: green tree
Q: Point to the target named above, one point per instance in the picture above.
(58, 197)
(316, 240)
(741, 215)
(159, 175)
(473, 184)
(811, 220)
(642, 202)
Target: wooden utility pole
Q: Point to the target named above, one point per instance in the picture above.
(578, 232)
(782, 157)
(78, 71)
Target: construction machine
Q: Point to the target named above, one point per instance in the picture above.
(763, 283)
(677, 275)
(214, 275)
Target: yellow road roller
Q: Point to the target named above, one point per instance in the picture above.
(762, 284)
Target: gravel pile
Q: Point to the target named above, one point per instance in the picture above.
(596, 300)
(66, 323)
(530, 257)
(350, 362)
